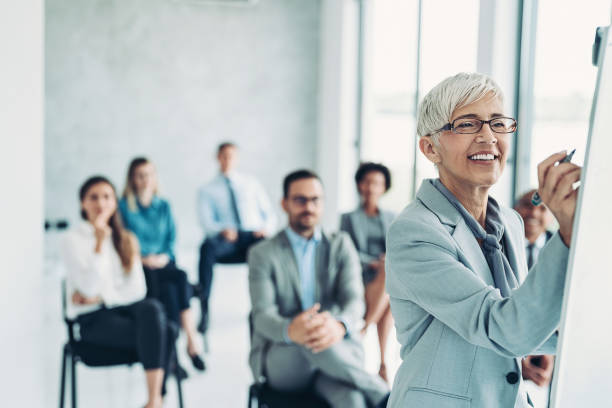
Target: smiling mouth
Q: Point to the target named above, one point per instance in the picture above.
(483, 157)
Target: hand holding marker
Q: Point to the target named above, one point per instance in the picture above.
(535, 198)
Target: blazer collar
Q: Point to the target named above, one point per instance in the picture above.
(448, 215)
(438, 204)
(290, 263)
(358, 227)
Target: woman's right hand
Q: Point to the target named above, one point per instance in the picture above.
(101, 231)
(557, 192)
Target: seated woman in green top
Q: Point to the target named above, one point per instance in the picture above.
(367, 226)
(149, 217)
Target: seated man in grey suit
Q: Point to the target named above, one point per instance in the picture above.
(307, 305)
(537, 220)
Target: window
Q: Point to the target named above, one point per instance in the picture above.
(449, 45)
(564, 78)
(390, 67)
(392, 80)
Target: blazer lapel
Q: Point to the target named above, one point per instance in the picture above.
(322, 267)
(358, 228)
(513, 238)
(473, 252)
(290, 265)
(465, 240)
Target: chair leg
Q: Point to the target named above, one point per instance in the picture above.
(63, 379)
(73, 376)
(250, 402)
(254, 396)
(179, 388)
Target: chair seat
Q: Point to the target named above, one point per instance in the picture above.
(272, 398)
(94, 355)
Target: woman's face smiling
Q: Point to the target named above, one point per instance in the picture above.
(468, 161)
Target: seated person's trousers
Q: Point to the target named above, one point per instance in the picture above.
(217, 250)
(337, 374)
(170, 286)
(141, 327)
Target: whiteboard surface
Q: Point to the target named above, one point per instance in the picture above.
(583, 372)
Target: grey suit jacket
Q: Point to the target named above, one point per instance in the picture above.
(274, 285)
(461, 342)
(354, 224)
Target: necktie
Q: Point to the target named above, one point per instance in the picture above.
(530, 255)
(233, 202)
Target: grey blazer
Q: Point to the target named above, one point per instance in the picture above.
(274, 285)
(461, 342)
(354, 224)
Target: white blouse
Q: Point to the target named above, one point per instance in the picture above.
(101, 274)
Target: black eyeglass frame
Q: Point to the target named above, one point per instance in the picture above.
(451, 126)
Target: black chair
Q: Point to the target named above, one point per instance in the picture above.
(266, 397)
(93, 355)
(261, 395)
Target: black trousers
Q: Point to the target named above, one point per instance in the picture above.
(217, 250)
(170, 286)
(140, 326)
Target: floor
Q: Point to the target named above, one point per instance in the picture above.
(33, 378)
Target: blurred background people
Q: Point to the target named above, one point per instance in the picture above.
(106, 286)
(307, 304)
(149, 217)
(537, 219)
(235, 212)
(367, 227)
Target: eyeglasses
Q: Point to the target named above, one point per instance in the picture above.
(303, 200)
(473, 125)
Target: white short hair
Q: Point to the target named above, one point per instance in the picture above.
(453, 93)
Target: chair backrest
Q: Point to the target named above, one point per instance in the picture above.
(69, 322)
(64, 300)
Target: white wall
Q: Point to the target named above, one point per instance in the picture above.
(21, 181)
(170, 80)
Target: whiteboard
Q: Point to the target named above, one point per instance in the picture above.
(583, 372)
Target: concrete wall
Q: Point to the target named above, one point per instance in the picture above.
(170, 80)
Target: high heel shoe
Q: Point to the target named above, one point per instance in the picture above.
(198, 362)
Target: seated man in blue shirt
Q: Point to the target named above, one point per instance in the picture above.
(235, 212)
(307, 306)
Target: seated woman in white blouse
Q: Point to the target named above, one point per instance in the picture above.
(106, 283)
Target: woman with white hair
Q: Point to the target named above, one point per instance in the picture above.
(465, 309)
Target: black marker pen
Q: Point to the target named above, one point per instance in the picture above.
(535, 198)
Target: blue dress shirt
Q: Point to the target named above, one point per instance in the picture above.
(153, 226)
(216, 209)
(305, 251)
